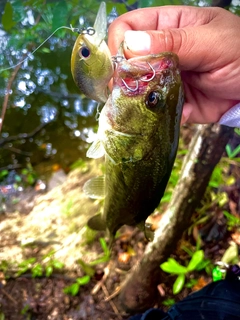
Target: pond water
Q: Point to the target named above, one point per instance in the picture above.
(47, 121)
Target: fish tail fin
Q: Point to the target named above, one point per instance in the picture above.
(97, 223)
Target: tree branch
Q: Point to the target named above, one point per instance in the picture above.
(23, 135)
(8, 89)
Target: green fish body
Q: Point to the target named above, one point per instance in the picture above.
(91, 63)
(138, 134)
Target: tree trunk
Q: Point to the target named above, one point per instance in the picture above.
(206, 148)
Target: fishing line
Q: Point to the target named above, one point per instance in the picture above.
(31, 53)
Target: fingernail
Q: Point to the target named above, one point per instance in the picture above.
(137, 41)
(187, 110)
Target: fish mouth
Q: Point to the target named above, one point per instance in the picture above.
(132, 76)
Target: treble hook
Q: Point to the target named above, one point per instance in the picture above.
(118, 58)
(130, 89)
(154, 73)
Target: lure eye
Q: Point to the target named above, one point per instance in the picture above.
(152, 99)
(84, 52)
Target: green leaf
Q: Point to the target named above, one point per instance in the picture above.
(83, 280)
(86, 268)
(60, 13)
(3, 173)
(49, 271)
(148, 3)
(203, 265)
(232, 153)
(197, 257)
(178, 284)
(72, 289)
(57, 264)
(191, 283)
(169, 302)
(120, 7)
(37, 270)
(27, 262)
(30, 179)
(172, 266)
(104, 247)
(231, 254)
(22, 270)
(7, 17)
(25, 309)
(24, 171)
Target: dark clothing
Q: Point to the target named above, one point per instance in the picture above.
(217, 301)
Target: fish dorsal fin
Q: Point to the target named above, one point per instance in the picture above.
(96, 150)
(100, 24)
(94, 188)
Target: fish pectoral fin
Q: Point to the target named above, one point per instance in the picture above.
(121, 147)
(97, 223)
(96, 150)
(94, 188)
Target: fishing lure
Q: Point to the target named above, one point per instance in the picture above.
(91, 62)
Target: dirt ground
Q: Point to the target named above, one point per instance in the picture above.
(43, 298)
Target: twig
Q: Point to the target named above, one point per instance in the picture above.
(11, 167)
(114, 294)
(15, 150)
(9, 297)
(9, 86)
(100, 283)
(23, 135)
(104, 289)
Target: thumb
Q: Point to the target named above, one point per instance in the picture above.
(180, 41)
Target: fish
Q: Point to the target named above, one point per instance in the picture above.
(91, 63)
(138, 134)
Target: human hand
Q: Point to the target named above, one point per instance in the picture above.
(207, 41)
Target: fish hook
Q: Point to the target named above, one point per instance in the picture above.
(153, 76)
(130, 89)
(117, 59)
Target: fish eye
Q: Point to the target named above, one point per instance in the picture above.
(84, 52)
(152, 99)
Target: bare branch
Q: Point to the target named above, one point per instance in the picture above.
(8, 89)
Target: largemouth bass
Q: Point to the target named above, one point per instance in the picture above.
(91, 63)
(138, 134)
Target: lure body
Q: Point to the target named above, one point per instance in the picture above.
(91, 63)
